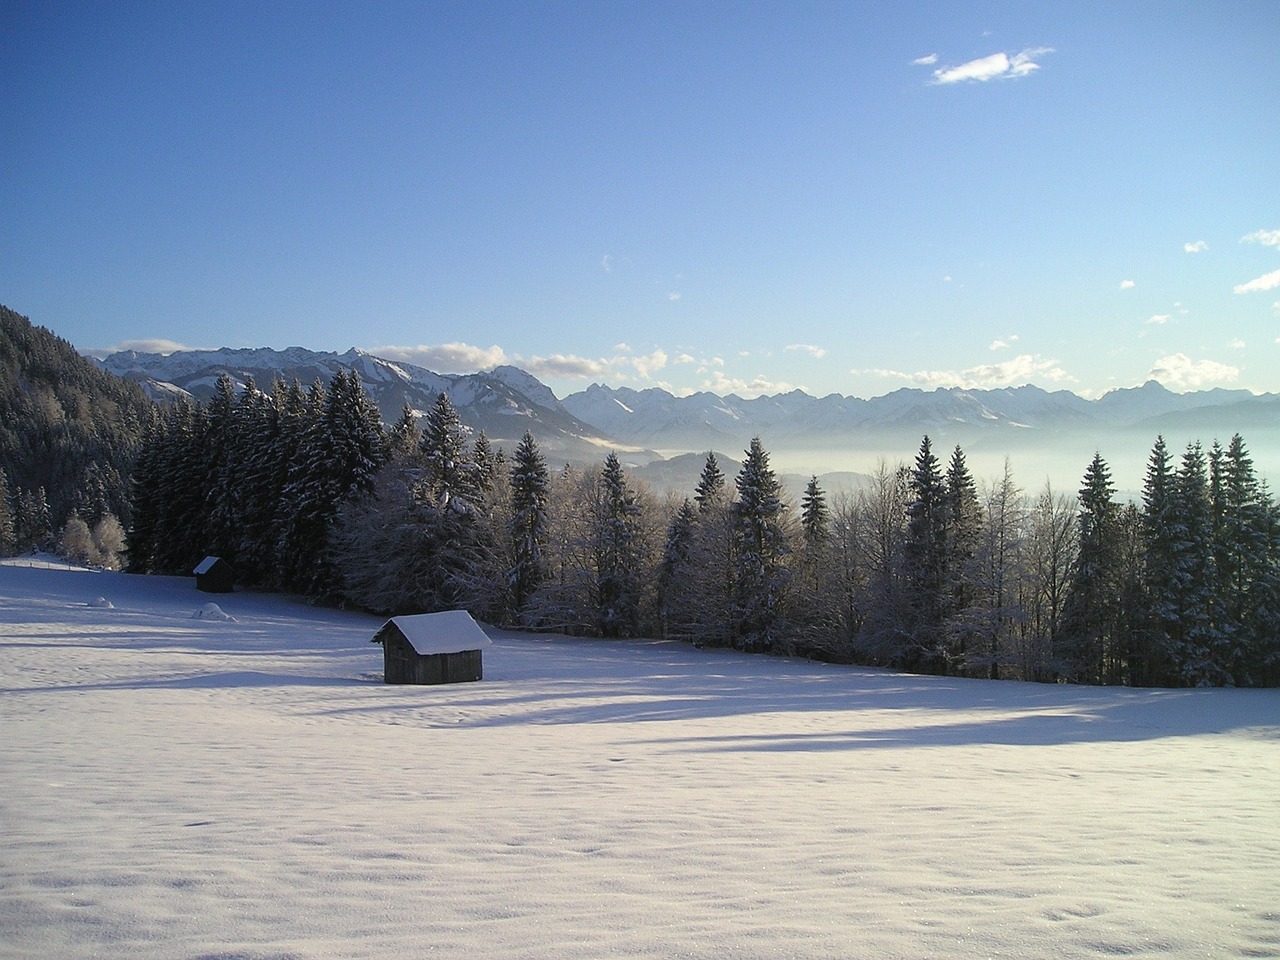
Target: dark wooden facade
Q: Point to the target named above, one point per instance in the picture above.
(401, 663)
(214, 575)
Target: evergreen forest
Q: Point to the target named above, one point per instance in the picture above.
(923, 569)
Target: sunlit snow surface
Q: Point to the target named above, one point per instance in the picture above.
(174, 787)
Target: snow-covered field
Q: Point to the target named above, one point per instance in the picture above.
(180, 787)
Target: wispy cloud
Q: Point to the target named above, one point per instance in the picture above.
(1160, 319)
(1019, 370)
(606, 263)
(157, 345)
(1181, 372)
(446, 357)
(997, 66)
(1268, 281)
(1003, 343)
(1127, 284)
(673, 295)
(928, 61)
(568, 366)
(816, 352)
(1198, 247)
(1236, 344)
(1268, 238)
(759, 386)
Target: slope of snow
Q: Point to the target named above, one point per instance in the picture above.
(179, 787)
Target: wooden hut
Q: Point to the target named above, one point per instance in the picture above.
(214, 575)
(432, 648)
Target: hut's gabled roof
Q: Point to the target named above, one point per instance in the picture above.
(451, 631)
(205, 566)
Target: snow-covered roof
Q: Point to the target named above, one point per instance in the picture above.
(205, 566)
(450, 631)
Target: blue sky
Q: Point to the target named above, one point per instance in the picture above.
(748, 197)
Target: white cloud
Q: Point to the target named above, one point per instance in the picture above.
(816, 352)
(1019, 370)
(759, 386)
(446, 357)
(1268, 281)
(1198, 247)
(1236, 344)
(1160, 319)
(928, 61)
(997, 66)
(684, 358)
(606, 263)
(674, 295)
(1181, 372)
(649, 364)
(1268, 238)
(999, 345)
(1127, 284)
(566, 366)
(624, 366)
(156, 345)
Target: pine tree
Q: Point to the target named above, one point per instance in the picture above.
(962, 522)
(1244, 563)
(448, 471)
(1090, 617)
(926, 564)
(761, 549)
(815, 516)
(486, 464)
(617, 553)
(528, 530)
(675, 598)
(403, 438)
(1159, 581)
(706, 598)
(711, 484)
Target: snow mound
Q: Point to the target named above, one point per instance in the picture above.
(211, 611)
(102, 602)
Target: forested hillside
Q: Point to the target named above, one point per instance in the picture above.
(68, 434)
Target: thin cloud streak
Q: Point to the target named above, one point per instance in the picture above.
(1268, 281)
(1015, 372)
(997, 66)
(157, 345)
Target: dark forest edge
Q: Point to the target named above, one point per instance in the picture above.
(306, 491)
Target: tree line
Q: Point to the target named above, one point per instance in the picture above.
(922, 569)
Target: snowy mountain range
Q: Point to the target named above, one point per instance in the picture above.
(656, 418)
(505, 401)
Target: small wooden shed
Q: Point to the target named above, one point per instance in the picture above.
(214, 575)
(426, 648)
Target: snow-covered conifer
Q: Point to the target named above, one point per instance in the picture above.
(761, 574)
